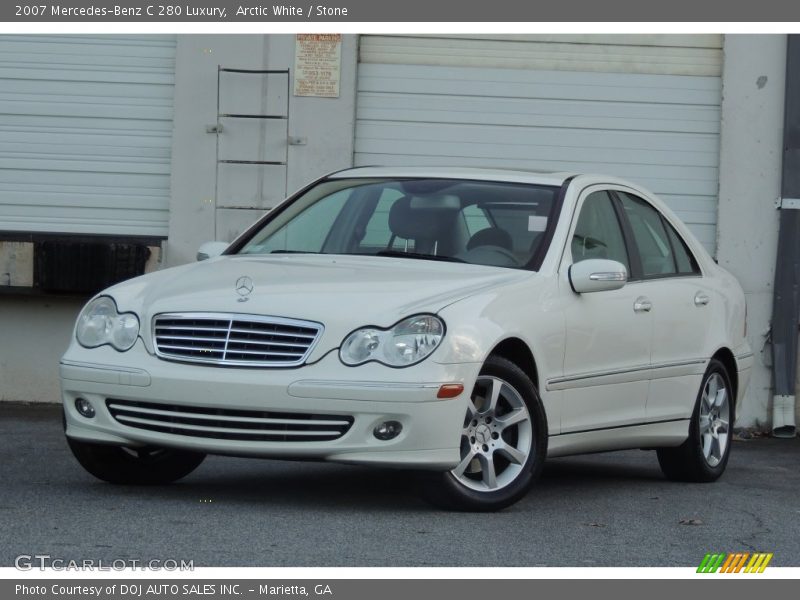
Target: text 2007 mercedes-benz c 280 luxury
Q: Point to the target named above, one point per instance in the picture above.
(463, 323)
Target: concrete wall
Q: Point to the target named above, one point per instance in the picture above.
(750, 178)
(326, 124)
(34, 333)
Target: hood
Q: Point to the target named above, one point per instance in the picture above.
(341, 292)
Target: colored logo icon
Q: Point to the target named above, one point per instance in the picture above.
(735, 562)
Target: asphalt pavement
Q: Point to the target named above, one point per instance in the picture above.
(612, 509)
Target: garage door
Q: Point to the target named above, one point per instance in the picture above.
(646, 108)
(85, 134)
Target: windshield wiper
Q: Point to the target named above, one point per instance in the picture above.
(293, 252)
(400, 254)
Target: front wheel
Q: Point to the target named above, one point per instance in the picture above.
(704, 455)
(503, 443)
(136, 466)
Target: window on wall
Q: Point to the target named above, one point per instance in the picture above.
(598, 233)
(661, 249)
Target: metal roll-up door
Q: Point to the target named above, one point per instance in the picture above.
(643, 107)
(86, 134)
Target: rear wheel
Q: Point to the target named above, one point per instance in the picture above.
(137, 466)
(503, 443)
(704, 455)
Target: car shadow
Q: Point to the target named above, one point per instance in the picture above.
(613, 467)
(296, 484)
(347, 488)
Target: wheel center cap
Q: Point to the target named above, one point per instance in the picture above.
(483, 434)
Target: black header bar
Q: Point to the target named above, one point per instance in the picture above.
(439, 11)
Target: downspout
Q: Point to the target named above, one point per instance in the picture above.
(786, 304)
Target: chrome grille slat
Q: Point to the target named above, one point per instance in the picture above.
(237, 351)
(163, 336)
(267, 421)
(180, 328)
(228, 424)
(142, 421)
(234, 339)
(278, 333)
(193, 348)
(229, 350)
(224, 331)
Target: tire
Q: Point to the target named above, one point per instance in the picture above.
(134, 466)
(704, 455)
(514, 452)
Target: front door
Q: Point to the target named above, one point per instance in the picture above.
(608, 334)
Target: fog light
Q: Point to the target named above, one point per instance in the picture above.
(84, 407)
(387, 430)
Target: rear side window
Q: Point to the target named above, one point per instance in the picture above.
(650, 235)
(661, 249)
(686, 263)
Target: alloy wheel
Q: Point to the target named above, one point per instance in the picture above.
(497, 437)
(714, 421)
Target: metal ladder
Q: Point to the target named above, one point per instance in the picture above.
(219, 128)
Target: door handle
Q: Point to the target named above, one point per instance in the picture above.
(642, 304)
(701, 299)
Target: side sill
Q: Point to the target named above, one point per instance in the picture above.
(650, 435)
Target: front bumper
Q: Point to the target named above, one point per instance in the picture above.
(369, 394)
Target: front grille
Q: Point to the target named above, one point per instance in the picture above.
(232, 339)
(229, 424)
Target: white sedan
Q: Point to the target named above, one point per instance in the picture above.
(464, 323)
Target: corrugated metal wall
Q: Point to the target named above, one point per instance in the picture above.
(86, 133)
(642, 107)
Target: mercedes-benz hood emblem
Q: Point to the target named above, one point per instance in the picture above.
(244, 287)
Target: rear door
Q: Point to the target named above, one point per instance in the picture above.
(672, 283)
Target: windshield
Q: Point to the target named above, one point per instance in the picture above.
(477, 222)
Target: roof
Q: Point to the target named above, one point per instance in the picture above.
(475, 173)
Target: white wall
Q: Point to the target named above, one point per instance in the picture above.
(750, 178)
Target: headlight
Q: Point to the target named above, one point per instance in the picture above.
(99, 323)
(407, 343)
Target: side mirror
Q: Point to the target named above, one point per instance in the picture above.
(597, 275)
(211, 250)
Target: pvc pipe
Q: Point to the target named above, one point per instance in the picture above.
(783, 420)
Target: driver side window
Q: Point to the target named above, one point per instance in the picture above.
(598, 233)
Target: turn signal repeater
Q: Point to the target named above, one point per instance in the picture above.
(450, 390)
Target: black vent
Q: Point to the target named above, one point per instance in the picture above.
(86, 267)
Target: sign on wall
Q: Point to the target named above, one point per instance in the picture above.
(317, 64)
